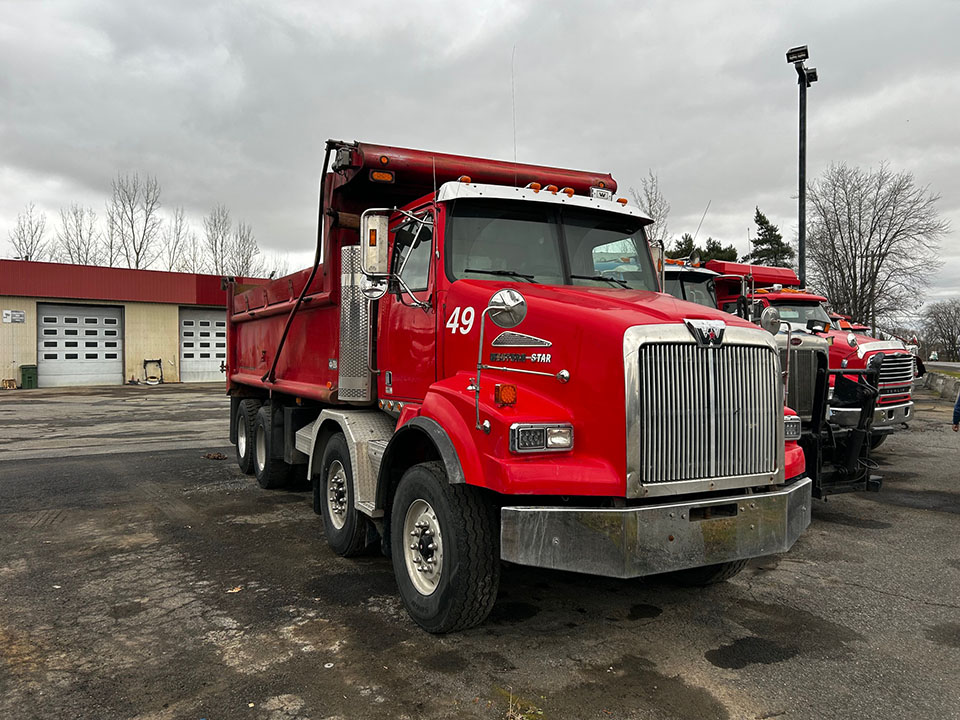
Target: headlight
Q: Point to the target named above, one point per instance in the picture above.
(791, 427)
(535, 437)
(851, 340)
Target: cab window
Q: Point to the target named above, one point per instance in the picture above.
(413, 245)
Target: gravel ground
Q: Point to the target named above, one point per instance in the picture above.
(141, 577)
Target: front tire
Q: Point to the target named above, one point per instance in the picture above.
(246, 421)
(876, 440)
(344, 526)
(444, 550)
(271, 472)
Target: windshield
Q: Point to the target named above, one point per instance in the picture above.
(692, 287)
(547, 244)
(799, 313)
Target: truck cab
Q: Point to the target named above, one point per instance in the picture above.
(465, 380)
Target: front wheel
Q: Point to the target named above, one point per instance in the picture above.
(444, 550)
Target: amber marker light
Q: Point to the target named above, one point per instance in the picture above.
(381, 176)
(601, 184)
(373, 237)
(568, 191)
(465, 179)
(384, 160)
(535, 186)
(552, 188)
(505, 394)
(622, 201)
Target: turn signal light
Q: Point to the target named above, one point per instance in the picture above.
(381, 176)
(505, 394)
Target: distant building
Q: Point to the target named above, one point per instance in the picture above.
(86, 325)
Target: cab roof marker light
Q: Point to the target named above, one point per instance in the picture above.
(622, 201)
(568, 191)
(465, 179)
(552, 188)
(535, 186)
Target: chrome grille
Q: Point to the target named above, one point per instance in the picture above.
(897, 370)
(707, 413)
(802, 381)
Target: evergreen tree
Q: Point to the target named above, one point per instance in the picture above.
(684, 247)
(769, 247)
(713, 250)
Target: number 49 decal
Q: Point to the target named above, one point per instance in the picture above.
(461, 320)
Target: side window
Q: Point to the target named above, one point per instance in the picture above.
(413, 259)
(616, 255)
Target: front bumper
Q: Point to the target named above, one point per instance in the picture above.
(631, 542)
(883, 416)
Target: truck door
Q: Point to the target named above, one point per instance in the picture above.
(407, 335)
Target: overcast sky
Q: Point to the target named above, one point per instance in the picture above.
(231, 101)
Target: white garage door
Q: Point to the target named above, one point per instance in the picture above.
(203, 344)
(79, 345)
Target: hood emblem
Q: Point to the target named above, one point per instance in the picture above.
(707, 333)
(508, 338)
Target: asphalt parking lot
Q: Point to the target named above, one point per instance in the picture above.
(141, 577)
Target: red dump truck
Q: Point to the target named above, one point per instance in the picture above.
(779, 287)
(463, 385)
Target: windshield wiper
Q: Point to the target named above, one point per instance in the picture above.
(621, 283)
(502, 273)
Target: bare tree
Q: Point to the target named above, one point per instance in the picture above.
(217, 227)
(194, 258)
(652, 202)
(276, 265)
(872, 237)
(243, 254)
(27, 234)
(111, 249)
(134, 216)
(177, 236)
(941, 328)
(78, 238)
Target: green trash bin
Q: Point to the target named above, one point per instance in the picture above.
(28, 377)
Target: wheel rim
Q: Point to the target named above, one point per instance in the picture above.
(242, 437)
(337, 494)
(423, 551)
(261, 449)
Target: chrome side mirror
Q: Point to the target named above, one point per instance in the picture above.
(770, 320)
(373, 288)
(374, 227)
(507, 308)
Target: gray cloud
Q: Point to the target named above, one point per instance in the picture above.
(231, 101)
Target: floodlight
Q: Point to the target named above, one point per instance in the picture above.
(797, 54)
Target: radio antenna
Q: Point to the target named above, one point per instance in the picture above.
(701, 220)
(513, 99)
